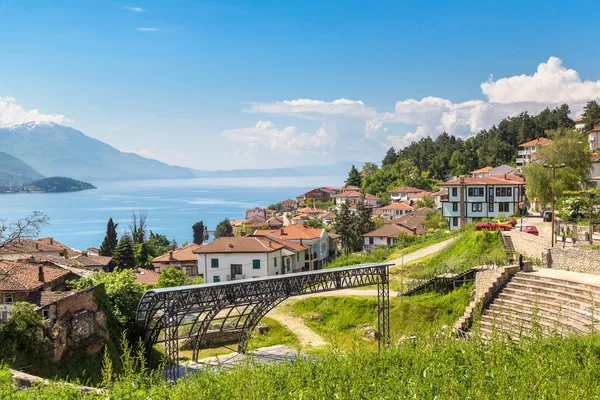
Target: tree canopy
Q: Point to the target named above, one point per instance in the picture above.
(171, 277)
(224, 229)
(198, 229)
(110, 240)
(123, 256)
(354, 178)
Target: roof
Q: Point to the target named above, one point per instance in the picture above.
(422, 194)
(349, 188)
(286, 243)
(185, 253)
(389, 231)
(349, 193)
(288, 201)
(481, 170)
(246, 244)
(398, 206)
(23, 276)
(308, 210)
(51, 242)
(29, 246)
(596, 157)
(536, 142)
(596, 128)
(43, 299)
(91, 260)
(580, 119)
(511, 179)
(146, 276)
(294, 232)
(596, 178)
(406, 189)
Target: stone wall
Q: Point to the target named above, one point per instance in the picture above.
(570, 258)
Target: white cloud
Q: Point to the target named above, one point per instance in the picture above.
(13, 114)
(147, 29)
(308, 108)
(135, 9)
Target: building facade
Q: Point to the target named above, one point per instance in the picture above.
(529, 152)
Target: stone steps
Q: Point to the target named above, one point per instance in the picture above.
(542, 317)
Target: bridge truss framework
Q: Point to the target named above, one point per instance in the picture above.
(189, 313)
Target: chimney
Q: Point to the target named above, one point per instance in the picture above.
(300, 241)
(171, 255)
(37, 246)
(415, 230)
(462, 179)
(281, 232)
(40, 273)
(173, 247)
(51, 242)
(84, 253)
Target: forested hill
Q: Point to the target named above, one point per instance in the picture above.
(58, 184)
(450, 156)
(13, 171)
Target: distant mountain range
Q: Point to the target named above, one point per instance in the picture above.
(56, 150)
(13, 171)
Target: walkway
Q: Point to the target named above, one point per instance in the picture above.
(424, 252)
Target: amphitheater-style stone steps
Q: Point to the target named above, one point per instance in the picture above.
(545, 301)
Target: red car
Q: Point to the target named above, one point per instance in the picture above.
(512, 220)
(491, 226)
(530, 229)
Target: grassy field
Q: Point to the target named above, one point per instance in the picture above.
(433, 366)
(346, 322)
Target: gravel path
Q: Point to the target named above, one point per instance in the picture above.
(424, 252)
(306, 336)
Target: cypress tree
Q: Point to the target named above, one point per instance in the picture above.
(110, 240)
(123, 256)
(354, 178)
(198, 229)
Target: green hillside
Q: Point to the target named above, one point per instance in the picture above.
(13, 171)
(58, 184)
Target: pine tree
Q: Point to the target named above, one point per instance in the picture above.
(224, 229)
(143, 258)
(390, 157)
(591, 115)
(123, 256)
(110, 240)
(354, 178)
(198, 229)
(345, 226)
(364, 223)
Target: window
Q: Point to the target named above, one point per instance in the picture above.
(214, 263)
(509, 192)
(45, 314)
(481, 192)
(476, 207)
(4, 315)
(471, 192)
(322, 247)
(503, 207)
(503, 192)
(454, 207)
(287, 262)
(455, 221)
(8, 298)
(216, 278)
(298, 256)
(454, 192)
(255, 264)
(275, 261)
(491, 207)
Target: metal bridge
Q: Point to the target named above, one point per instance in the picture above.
(184, 315)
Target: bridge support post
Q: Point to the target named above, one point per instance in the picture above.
(383, 308)
(171, 344)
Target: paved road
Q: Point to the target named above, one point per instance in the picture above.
(424, 252)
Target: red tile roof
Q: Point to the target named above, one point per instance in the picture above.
(288, 201)
(406, 189)
(51, 242)
(349, 188)
(580, 119)
(185, 253)
(482, 170)
(398, 206)
(389, 231)
(596, 128)
(511, 179)
(24, 276)
(246, 244)
(43, 299)
(596, 156)
(536, 142)
(27, 246)
(146, 276)
(286, 243)
(421, 195)
(294, 232)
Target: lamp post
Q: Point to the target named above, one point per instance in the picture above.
(553, 167)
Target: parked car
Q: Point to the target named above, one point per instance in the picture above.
(512, 221)
(530, 229)
(547, 217)
(492, 226)
(542, 212)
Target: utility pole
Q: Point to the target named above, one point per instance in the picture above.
(553, 167)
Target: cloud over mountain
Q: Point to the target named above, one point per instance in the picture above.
(13, 114)
(358, 124)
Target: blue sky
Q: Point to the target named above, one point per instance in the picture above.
(226, 84)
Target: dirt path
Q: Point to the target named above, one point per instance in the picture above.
(424, 252)
(306, 336)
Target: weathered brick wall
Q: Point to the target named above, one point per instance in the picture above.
(570, 258)
(83, 300)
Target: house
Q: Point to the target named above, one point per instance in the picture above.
(288, 204)
(147, 276)
(596, 166)
(353, 197)
(294, 253)
(261, 212)
(315, 240)
(404, 193)
(387, 235)
(311, 212)
(318, 194)
(472, 199)
(300, 219)
(274, 222)
(594, 138)
(20, 278)
(439, 197)
(327, 217)
(396, 210)
(26, 248)
(330, 189)
(529, 152)
(503, 170)
(481, 172)
(229, 258)
(81, 264)
(349, 188)
(413, 220)
(182, 258)
(579, 124)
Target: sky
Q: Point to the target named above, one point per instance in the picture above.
(264, 84)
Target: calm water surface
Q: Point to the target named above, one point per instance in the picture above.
(173, 206)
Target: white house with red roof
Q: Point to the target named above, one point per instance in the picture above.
(579, 124)
(396, 210)
(473, 199)
(352, 197)
(529, 152)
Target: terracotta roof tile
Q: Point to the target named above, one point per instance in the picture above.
(596, 128)
(43, 299)
(536, 142)
(283, 242)
(294, 232)
(492, 180)
(388, 231)
(185, 253)
(596, 157)
(482, 170)
(146, 276)
(247, 244)
(398, 206)
(27, 246)
(24, 275)
(406, 189)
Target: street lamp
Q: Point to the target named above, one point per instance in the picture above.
(553, 167)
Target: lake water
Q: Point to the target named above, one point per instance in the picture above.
(79, 219)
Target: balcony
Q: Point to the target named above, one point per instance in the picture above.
(521, 160)
(524, 152)
(236, 277)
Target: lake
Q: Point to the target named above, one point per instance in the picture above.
(78, 219)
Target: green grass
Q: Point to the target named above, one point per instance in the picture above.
(427, 240)
(433, 367)
(344, 321)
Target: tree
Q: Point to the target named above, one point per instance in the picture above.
(171, 277)
(22, 337)
(123, 256)
(121, 295)
(142, 256)
(364, 223)
(425, 202)
(224, 229)
(25, 228)
(157, 244)
(354, 178)
(198, 229)
(344, 226)
(369, 168)
(276, 207)
(315, 223)
(110, 240)
(591, 115)
(138, 226)
(434, 220)
(390, 157)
